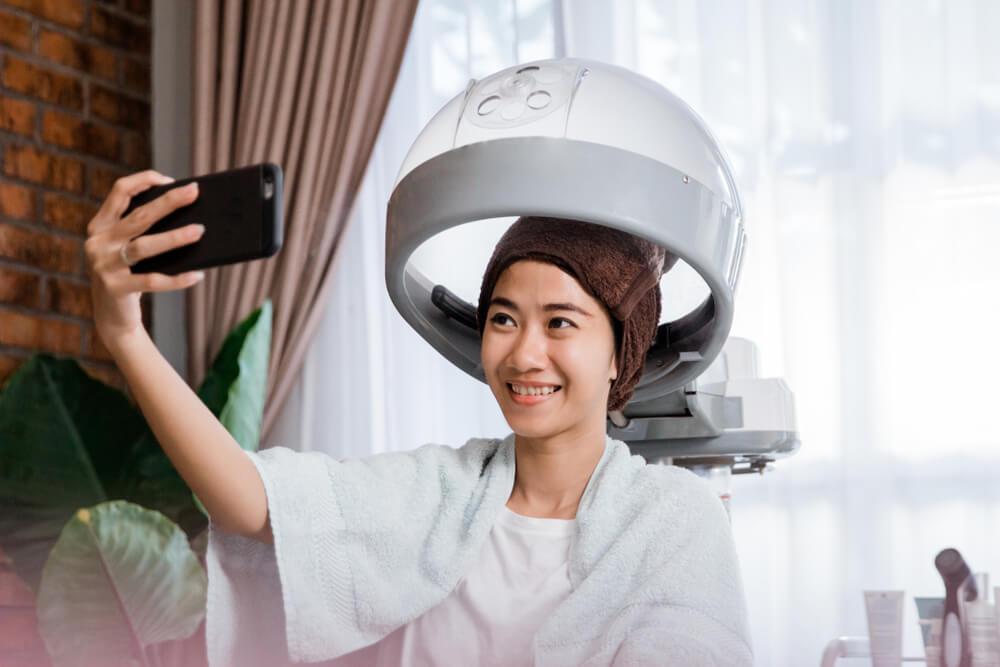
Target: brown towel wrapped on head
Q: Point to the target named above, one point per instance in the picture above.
(617, 268)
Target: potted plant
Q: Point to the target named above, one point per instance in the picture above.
(94, 516)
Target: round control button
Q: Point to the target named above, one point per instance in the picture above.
(539, 99)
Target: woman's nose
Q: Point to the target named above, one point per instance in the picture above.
(530, 350)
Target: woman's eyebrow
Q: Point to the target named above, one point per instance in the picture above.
(501, 301)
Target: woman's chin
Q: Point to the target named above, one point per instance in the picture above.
(531, 432)
(533, 425)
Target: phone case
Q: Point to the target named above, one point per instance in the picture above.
(241, 210)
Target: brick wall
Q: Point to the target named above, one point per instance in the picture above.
(74, 116)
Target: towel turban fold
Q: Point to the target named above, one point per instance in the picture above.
(620, 270)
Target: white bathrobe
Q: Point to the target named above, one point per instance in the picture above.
(363, 546)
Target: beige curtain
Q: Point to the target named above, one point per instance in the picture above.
(304, 84)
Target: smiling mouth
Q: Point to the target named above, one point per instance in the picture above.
(510, 388)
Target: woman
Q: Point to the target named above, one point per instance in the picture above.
(551, 546)
(547, 271)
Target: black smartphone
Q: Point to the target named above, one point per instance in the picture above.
(241, 211)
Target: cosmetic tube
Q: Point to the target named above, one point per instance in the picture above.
(929, 612)
(885, 627)
(982, 625)
(996, 617)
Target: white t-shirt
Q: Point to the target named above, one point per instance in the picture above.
(491, 616)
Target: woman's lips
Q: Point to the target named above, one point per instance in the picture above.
(522, 399)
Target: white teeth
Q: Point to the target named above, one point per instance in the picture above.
(532, 391)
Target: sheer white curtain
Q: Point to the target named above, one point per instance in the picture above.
(866, 140)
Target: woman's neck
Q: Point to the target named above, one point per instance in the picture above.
(552, 473)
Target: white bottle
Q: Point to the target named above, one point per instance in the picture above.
(981, 619)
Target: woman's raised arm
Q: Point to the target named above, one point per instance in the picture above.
(205, 454)
(201, 449)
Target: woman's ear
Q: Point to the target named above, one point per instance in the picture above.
(614, 368)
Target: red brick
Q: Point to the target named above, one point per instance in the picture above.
(135, 76)
(15, 32)
(24, 77)
(71, 131)
(119, 109)
(39, 333)
(102, 62)
(136, 151)
(64, 12)
(67, 214)
(69, 298)
(138, 7)
(17, 202)
(119, 31)
(19, 287)
(102, 179)
(31, 164)
(74, 53)
(96, 348)
(17, 116)
(45, 251)
(8, 366)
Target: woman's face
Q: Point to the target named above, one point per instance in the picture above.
(533, 334)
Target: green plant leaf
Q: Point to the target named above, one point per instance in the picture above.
(69, 441)
(62, 434)
(119, 579)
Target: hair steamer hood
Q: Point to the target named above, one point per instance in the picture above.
(589, 141)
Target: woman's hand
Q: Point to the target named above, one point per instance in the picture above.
(115, 290)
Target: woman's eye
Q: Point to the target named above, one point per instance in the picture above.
(496, 318)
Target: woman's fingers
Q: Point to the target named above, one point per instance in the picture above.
(154, 244)
(142, 218)
(122, 192)
(154, 282)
